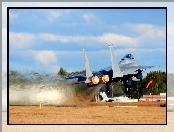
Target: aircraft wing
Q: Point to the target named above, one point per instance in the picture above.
(133, 69)
(79, 77)
(83, 77)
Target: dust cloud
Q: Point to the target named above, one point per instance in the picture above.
(35, 93)
(49, 89)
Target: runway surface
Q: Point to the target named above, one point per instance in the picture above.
(87, 128)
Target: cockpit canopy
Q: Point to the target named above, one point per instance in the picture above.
(129, 56)
(128, 60)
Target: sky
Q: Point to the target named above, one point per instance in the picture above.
(47, 39)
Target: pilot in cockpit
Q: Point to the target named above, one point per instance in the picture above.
(128, 56)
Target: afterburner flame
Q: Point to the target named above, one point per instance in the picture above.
(105, 78)
(95, 79)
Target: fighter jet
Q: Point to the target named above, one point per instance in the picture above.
(126, 71)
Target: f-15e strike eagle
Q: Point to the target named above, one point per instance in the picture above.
(126, 71)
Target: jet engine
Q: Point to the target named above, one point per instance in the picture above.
(105, 78)
(94, 80)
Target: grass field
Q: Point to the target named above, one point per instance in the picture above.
(92, 113)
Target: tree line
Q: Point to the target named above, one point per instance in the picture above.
(63, 73)
(158, 86)
(161, 81)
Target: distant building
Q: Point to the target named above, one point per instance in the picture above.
(163, 94)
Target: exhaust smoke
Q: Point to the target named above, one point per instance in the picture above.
(50, 89)
(33, 88)
(34, 93)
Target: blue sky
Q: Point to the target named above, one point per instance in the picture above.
(45, 40)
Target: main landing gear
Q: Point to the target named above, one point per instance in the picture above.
(108, 88)
(127, 90)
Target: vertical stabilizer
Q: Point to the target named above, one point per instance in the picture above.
(115, 66)
(88, 69)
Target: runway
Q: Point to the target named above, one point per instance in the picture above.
(89, 113)
(87, 128)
